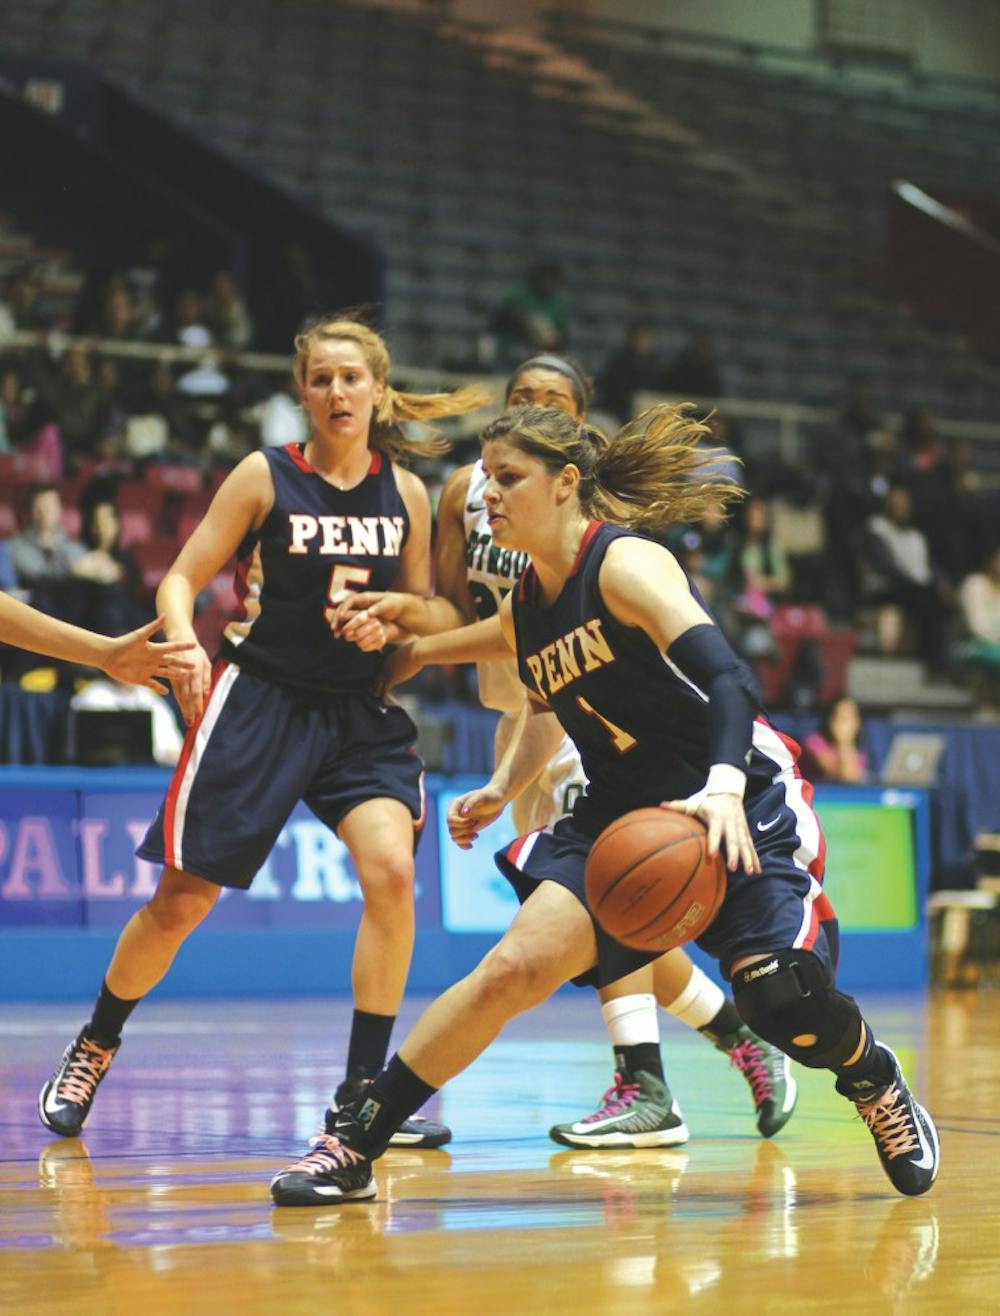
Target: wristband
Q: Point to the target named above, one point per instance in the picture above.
(724, 779)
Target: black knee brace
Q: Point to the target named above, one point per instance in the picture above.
(788, 994)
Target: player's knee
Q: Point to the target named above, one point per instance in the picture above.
(178, 912)
(512, 975)
(788, 1000)
(387, 880)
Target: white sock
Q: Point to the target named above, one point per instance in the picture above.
(699, 1002)
(632, 1020)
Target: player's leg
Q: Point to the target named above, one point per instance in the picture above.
(379, 837)
(215, 828)
(790, 998)
(550, 940)
(145, 950)
(691, 996)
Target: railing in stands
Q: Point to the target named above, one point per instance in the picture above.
(776, 426)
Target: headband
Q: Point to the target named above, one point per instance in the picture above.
(547, 361)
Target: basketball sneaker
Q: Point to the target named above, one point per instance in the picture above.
(65, 1100)
(768, 1073)
(905, 1135)
(636, 1111)
(415, 1132)
(332, 1171)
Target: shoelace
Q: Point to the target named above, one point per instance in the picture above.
(84, 1072)
(330, 1155)
(616, 1100)
(748, 1058)
(890, 1123)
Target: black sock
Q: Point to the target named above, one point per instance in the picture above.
(643, 1055)
(393, 1097)
(108, 1019)
(724, 1024)
(869, 1074)
(369, 1042)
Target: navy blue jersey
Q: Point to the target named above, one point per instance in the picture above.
(640, 724)
(316, 541)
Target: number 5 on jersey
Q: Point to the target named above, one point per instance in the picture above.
(343, 577)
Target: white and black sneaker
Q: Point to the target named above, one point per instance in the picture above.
(415, 1132)
(65, 1100)
(904, 1133)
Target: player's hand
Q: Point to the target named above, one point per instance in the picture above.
(401, 665)
(348, 603)
(136, 659)
(726, 820)
(470, 813)
(191, 688)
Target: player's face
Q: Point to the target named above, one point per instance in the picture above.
(544, 388)
(339, 392)
(519, 496)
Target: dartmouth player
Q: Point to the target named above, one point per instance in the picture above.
(287, 712)
(616, 649)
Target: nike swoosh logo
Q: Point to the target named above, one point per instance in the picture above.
(475, 507)
(926, 1161)
(766, 827)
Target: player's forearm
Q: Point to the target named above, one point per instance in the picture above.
(175, 602)
(26, 628)
(536, 738)
(482, 642)
(429, 616)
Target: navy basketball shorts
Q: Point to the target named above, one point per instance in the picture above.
(257, 749)
(783, 907)
(559, 854)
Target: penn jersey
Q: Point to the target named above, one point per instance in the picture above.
(640, 724)
(316, 541)
(492, 573)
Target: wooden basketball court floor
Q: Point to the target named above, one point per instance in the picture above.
(163, 1206)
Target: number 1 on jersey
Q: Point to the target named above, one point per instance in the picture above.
(344, 577)
(621, 740)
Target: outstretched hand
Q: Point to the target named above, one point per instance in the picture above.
(472, 812)
(136, 659)
(726, 820)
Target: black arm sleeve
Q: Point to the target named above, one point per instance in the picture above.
(703, 655)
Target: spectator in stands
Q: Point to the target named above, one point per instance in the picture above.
(922, 447)
(694, 371)
(901, 580)
(44, 556)
(13, 409)
(979, 600)
(533, 315)
(636, 366)
(77, 403)
(189, 323)
(833, 753)
(227, 315)
(113, 581)
(21, 307)
(281, 417)
(116, 403)
(763, 562)
(8, 575)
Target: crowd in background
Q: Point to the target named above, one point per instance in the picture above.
(889, 531)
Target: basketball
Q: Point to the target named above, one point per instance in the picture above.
(650, 881)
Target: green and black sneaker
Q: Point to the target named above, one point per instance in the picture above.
(768, 1072)
(636, 1111)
